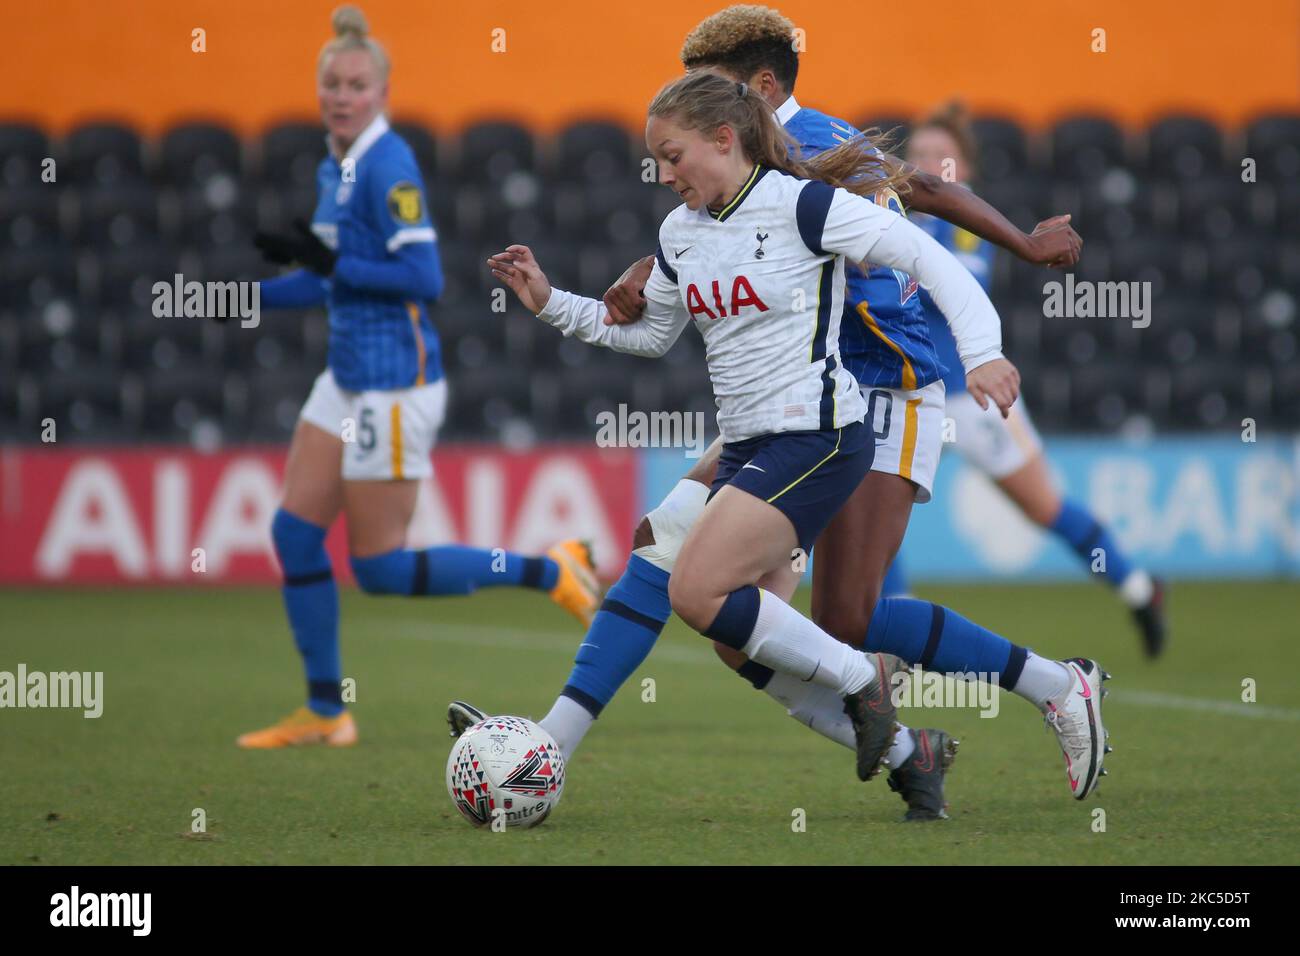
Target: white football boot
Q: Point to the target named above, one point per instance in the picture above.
(1076, 719)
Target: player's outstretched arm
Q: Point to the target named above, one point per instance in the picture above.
(1053, 242)
(585, 318)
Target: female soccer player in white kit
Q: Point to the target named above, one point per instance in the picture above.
(755, 258)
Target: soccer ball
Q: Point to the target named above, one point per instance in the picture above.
(505, 768)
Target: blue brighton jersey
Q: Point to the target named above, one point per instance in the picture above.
(884, 341)
(371, 209)
(977, 256)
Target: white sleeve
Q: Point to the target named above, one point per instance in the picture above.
(652, 335)
(863, 232)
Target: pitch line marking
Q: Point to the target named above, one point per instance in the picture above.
(562, 641)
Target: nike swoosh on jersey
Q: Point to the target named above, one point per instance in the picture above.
(750, 464)
(678, 255)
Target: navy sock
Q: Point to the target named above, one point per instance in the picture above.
(621, 635)
(942, 640)
(451, 569)
(1077, 527)
(734, 623)
(311, 599)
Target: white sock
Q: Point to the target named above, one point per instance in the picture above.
(902, 748)
(821, 709)
(1137, 589)
(789, 643)
(1042, 680)
(568, 722)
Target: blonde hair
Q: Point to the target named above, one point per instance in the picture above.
(352, 32)
(705, 102)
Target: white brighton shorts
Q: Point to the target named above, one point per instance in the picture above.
(995, 445)
(909, 432)
(387, 435)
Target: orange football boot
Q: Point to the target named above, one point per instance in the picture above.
(576, 590)
(304, 726)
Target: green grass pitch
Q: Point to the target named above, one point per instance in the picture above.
(710, 772)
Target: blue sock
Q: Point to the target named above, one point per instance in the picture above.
(895, 583)
(621, 635)
(1076, 526)
(311, 600)
(451, 569)
(942, 640)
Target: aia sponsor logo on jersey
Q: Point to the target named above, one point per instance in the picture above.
(742, 295)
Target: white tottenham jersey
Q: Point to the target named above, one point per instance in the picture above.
(763, 280)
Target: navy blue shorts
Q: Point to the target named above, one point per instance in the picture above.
(807, 476)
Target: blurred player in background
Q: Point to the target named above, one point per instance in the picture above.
(364, 437)
(1007, 448)
(886, 345)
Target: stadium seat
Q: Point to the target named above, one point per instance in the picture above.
(126, 275)
(274, 400)
(87, 406)
(428, 152)
(491, 151)
(179, 401)
(1214, 208)
(1274, 143)
(103, 154)
(594, 153)
(23, 151)
(29, 217)
(1085, 147)
(290, 153)
(1211, 394)
(1104, 395)
(31, 278)
(1003, 148)
(118, 216)
(216, 217)
(194, 153)
(1183, 148)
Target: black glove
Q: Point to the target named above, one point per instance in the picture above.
(302, 245)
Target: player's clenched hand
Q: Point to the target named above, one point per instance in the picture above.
(997, 380)
(625, 300)
(517, 268)
(1053, 243)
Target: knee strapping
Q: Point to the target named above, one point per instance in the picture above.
(671, 521)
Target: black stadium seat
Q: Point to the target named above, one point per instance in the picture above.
(192, 154)
(79, 258)
(1085, 147)
(491, 151)
(29, 217)
(1274, 143)
(1003, 150)
(104, 154)
(594, 153)
(1183, 148)
(290, 153)
(23, 151)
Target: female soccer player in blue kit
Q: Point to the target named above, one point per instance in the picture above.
(1008, 450)
(364, 437)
